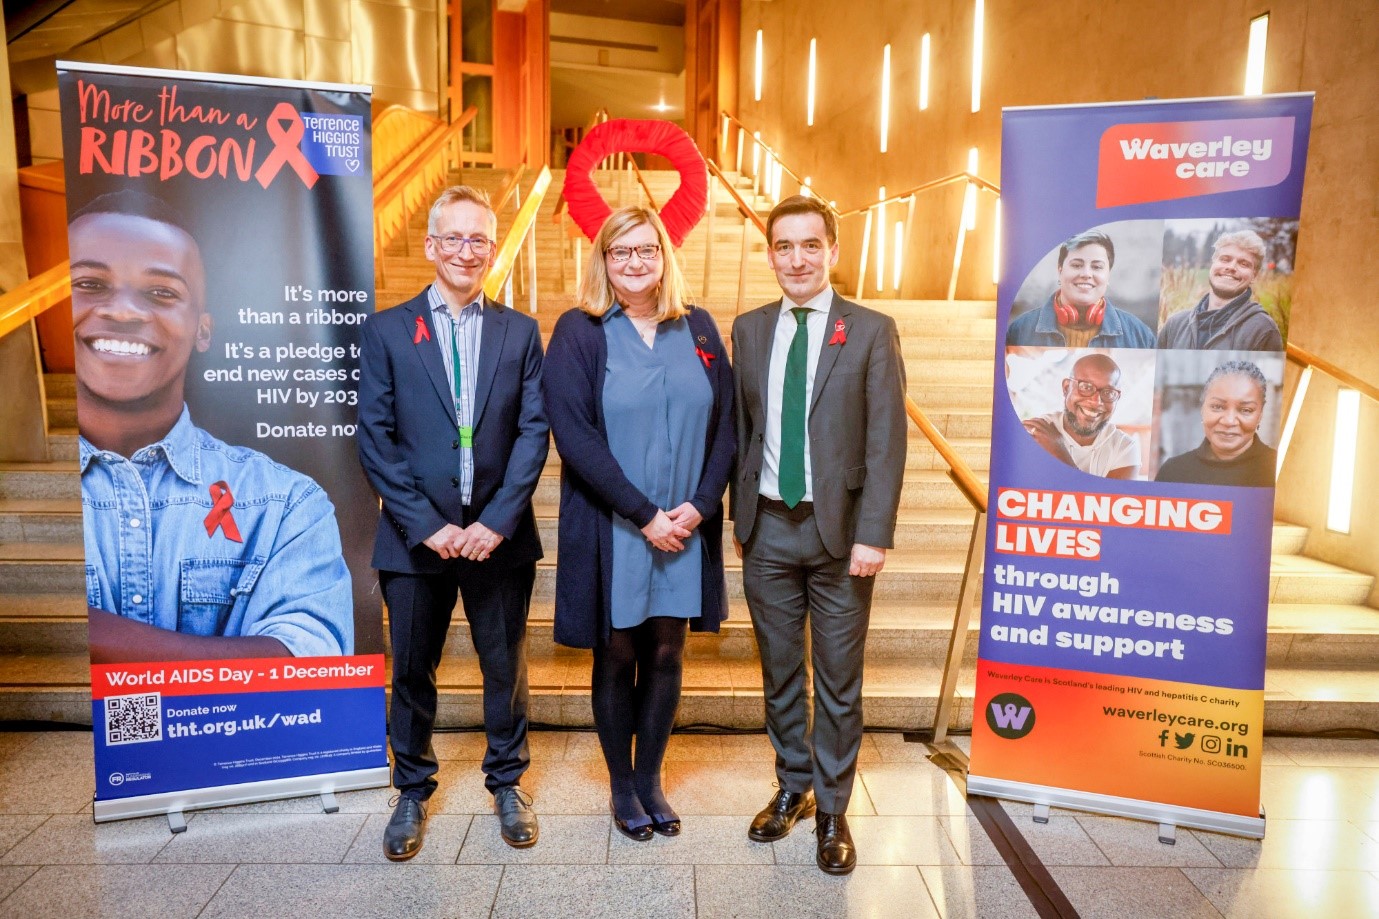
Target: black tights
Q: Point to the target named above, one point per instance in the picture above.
(637, 677)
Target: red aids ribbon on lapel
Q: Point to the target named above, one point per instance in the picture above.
(287, 147)
(705, 356)
(840, 334)
(220, 513)
(422, 331)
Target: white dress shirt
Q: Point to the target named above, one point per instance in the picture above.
(817, 324)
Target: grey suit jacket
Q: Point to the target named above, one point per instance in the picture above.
(856, 424)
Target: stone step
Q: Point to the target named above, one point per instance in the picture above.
(897, 694)
(51, 520)
(920, 575)
(1299, 634)
(40, 481)
(62, 444)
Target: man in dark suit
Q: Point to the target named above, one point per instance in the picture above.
(820, 459)
(453, 436)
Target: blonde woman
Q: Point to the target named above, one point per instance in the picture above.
(639, 394)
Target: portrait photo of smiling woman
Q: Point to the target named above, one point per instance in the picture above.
(195, 549)
(1219, 418)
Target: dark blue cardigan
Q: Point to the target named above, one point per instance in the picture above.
(593, 486)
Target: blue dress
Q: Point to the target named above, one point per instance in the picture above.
(656, 403)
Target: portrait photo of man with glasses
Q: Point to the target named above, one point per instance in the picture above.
(1074, 421)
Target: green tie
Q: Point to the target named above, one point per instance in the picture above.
(792, 413)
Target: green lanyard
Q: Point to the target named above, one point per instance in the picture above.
(466, 431)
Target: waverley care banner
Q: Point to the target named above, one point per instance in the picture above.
(1139, 371)
(222, 263)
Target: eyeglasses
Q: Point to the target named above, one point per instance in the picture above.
(810, 247)
(1085, 389)
(647, 253)
(481, 246)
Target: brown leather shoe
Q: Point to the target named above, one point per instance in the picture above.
(778, 818)
(837, 854)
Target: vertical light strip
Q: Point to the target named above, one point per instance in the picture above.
(741, 132)
(924, 72)
(1254, 61)
(809, 105)
(756, 84)
(969, 203)
(978, 26)
(880, 214)
(806, 189)
(899, 255)
(885, 97)
(996, 245)
(756, 153)
(1343, 461)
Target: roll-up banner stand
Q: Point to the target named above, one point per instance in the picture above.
(1147, 280)
(220, 230)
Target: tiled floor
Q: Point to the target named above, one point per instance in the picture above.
(921, 851)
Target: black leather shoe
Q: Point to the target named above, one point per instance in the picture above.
(837, 854)
(778, 818)
(516, 819)
(638, 829)
(403, 836)
(665, 825)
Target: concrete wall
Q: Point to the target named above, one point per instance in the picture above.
(392, 45)
(1094, 51)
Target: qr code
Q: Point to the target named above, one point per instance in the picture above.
(133, 719)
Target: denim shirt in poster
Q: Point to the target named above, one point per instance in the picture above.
(149, 556)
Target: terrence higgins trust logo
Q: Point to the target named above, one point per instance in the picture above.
(1010, 716)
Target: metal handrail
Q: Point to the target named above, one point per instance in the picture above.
(641, 180)
(38, 293)
(743, 207)
(769, 151)
(397, 132)
(958, 470)
(517, 234)
(509, 187)
(390, 205)
(1310, 362)
(1305, 358)
(972, 177)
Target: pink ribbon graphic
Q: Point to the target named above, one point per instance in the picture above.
(220, 513)
(286, 130)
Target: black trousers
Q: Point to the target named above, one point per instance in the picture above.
(496, 601)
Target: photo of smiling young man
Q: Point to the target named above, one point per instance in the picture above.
(1247, 279)
(195, 549)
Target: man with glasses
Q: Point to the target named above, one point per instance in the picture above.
(820, 459)
(453, 436)
(1081, 434)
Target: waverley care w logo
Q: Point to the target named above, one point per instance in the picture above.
(1139, 163)
(1010, 716)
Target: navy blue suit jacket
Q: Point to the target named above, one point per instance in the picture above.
(409, 444)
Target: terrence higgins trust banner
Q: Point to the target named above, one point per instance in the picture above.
(1150, 250)
(222, 261)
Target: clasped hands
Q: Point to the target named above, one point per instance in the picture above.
(668, 530)
(474, 542)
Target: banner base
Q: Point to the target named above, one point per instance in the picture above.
(176, 802)
(1043, 796)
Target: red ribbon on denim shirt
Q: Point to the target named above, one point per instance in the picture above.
(220, 516)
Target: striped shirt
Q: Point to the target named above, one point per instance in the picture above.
(460, 336)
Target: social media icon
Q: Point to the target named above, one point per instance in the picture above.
(1211, 743)
(1183, 740)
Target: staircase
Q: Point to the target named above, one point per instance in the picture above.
(1323, 646)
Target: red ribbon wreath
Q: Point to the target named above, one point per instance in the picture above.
(623, 135)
